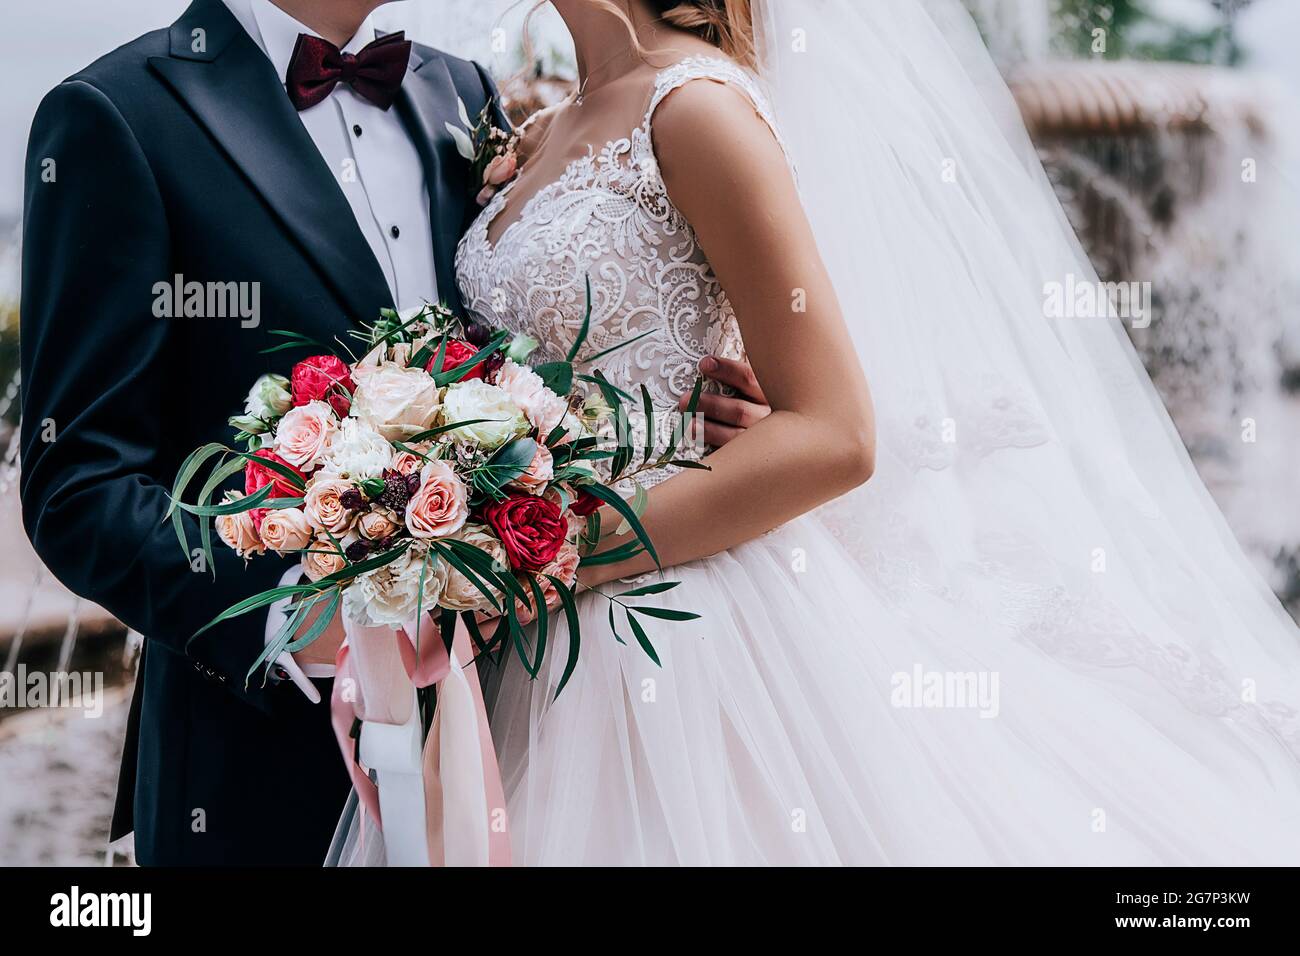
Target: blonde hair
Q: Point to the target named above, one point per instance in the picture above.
(727, 24)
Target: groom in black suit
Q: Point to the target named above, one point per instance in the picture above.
(183, 154)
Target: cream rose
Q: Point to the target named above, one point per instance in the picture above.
(323, 504)
(286, 529)
(461, 594)
(407, 462)
(475, 399)
(544, 409)
(395, 401)
(238, 531)
(304, 433)
(390, 596)
(322, 560)
(441, 506)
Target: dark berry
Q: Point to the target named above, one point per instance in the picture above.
(358, 551)
(353, 499)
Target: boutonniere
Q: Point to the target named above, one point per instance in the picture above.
(490, 151)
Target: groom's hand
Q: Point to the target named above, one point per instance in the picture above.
(725, 418)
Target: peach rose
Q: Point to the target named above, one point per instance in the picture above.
(286, 529)
(304, 433)
(376, 525)
(564, 567)
(461, 594)
(540, 470)
(238, 531)
(441, 506)
(322, 560)
(501, 170)
(323, 504)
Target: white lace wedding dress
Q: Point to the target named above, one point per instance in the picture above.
(799, 722)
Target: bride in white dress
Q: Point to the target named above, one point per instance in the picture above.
(1029, 639)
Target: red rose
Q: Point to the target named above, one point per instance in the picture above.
(257, 476)
(532, 530)
(458, 353)
(322, 378)
(586, 504)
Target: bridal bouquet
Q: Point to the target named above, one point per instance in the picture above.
(440, 473)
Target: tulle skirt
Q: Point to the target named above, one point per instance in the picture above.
(807, 720)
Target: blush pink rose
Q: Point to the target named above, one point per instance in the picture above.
(324, 505)
(322, 560)
(239, 531)
(501, 170)
(441, 506)
(544, 409)
(304, 433)
(286, 530)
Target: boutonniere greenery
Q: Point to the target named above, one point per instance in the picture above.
(490, 150)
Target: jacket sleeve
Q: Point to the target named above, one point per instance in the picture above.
(96, 240)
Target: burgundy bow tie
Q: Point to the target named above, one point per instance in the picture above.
(376, 73)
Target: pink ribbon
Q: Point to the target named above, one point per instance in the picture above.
(464, 800)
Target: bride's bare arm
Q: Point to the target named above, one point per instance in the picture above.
(728, 176)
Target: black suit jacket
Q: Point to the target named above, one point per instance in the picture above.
(180, 154)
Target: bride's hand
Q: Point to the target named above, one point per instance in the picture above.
(726, 418)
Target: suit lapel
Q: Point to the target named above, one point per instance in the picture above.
(232, 88)
(426, 105)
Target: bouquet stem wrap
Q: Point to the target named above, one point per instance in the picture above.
(455, 767)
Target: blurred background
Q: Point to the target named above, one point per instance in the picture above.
(1169, 128)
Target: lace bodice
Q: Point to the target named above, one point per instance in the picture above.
(609, 217)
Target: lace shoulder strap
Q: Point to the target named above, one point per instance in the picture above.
(720, 71)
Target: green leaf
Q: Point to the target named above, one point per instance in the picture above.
(256, 500)
(615, 501)
(665, 614)
(621, 345)
(447, 629)
(640, 499)
(362, 567)
(585, 330)
(470, 574)
(612, 393)
(543, 623)
(575, 637)
(648, 409)
(259, 600)
(189, 468)
(643, 639)
(218, 476)
(612, 627)
(509, 462)
(624, 552)
(557, 376)
(648, 589)
(497, 342)
(284, 471)
(320, 624)
(443, 429)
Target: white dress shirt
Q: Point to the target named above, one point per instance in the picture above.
(379, 171)
(372, 157)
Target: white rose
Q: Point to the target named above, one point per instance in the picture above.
(474, 399)
(461, 594)
(544, 409)
(397, 402)
(390, 596)
(269, 397)
(356, 451)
